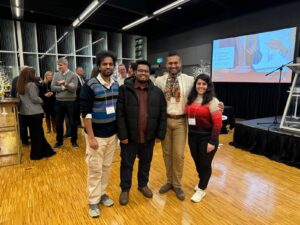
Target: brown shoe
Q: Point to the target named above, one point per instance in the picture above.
(179, 194)
(146, 191)
(123, 199)
(165, 188)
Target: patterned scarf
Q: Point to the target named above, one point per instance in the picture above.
(172, 88)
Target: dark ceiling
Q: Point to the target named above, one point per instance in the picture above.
(115, 14)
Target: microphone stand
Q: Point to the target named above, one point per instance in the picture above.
(275, 122)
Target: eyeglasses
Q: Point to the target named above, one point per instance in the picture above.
(143, 71)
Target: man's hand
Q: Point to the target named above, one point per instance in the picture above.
(71, 85)
(93, 143)
(221, 106)
(125, 141)
(210, 147)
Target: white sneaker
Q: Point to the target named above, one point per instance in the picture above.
(107, 201)
(199, 194)
(196, 187)
(94, 210)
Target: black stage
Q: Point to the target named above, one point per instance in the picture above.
(268, 140)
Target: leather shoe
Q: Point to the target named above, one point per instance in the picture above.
(146, 191)
(179, 193)
(166, 187)
(123, 199)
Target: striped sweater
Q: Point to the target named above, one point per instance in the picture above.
(95, 99)
(208, 119)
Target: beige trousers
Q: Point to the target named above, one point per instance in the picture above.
(173, 150)
(99, 163)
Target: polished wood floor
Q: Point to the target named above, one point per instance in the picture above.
(244, 189)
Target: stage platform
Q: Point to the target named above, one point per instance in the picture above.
(268, 140)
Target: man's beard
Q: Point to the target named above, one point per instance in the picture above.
(107, 74)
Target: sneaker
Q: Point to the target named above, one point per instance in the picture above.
(75, 145)
(165, 188)
(107, 201)
(57, 145)
(199, 194)
(146, 191)
(123, 199)
(94, 210)
(179, 194)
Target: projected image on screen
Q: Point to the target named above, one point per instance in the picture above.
(249, 58)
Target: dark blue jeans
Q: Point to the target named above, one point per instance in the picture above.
(128, 155)
(62, 109)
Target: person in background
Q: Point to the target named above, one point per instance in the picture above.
(31, 109)
(122, 74)
(65, 85)
(22, 123)
(141, 119)
(95, 72)
(204, 126)
(49, 102)
(98, 99)
(80, 75)
(132, 69)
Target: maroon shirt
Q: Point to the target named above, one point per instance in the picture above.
(142, 93)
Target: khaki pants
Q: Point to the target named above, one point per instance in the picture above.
(173, 150)
(99, 163)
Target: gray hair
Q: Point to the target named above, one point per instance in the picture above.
(63, 61)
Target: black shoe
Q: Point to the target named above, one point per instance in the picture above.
(179, 193)
(123, 199)
(75, 145)
(146, 191)
(67, 136)
(57, 145)
(165, 188)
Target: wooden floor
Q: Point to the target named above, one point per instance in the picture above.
(244, 189)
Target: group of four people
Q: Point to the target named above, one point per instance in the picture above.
(141, 113)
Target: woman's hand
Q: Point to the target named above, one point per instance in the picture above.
(210, 148)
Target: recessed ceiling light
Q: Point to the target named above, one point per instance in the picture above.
(179, 7)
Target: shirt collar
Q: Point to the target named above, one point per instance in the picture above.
(103, 82)
(66, 72)
(137, 85)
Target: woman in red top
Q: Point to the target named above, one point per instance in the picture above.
(204, 122)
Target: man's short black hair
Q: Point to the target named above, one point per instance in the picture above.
(103, 54)
(173, 53)
(143, 62)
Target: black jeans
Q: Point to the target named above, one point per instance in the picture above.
(202, 159)
(62, 108)
(23, 123)
(128, 154)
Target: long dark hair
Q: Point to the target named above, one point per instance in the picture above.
(208, 95)
(27, 75)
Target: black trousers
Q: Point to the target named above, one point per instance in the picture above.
(23, 124)
(128, 154)
(40, 148)
(77, 114)
(62, 109)
(202, 159)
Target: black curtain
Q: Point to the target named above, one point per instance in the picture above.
(252, 100)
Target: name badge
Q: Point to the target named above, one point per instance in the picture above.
(192, 121)
(173, 100)
(110, 110)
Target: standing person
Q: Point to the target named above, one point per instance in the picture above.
(204, 123)
(132, 69)
(31, 109)
(49, 102)
(80, 75)
(176, 87)
(141, 118)
(22, 123)
(64, 84)
(122, 74)
(98, 99)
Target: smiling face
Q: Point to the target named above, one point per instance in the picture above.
(173, 64)
(201, 87)
(143, 73)
(107, 67)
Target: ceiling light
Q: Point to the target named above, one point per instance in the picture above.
(18, 12)
(139, 21)
(95, 4)
(170, 6)
(17, 3)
